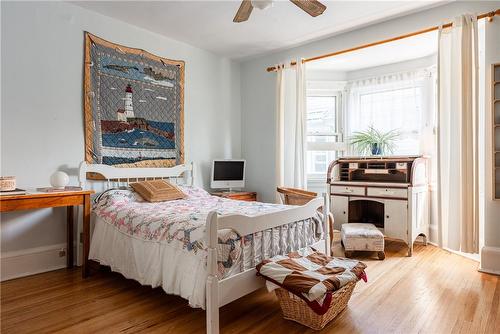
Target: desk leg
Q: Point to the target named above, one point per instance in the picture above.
(86, 235)
(69, 231)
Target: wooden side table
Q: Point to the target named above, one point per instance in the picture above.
(69, 199)
(238, 195)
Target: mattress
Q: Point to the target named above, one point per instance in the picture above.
(163, 244)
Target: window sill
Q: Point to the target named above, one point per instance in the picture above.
(316, 181)
(317, 185)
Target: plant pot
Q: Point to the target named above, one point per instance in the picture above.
(376, 149)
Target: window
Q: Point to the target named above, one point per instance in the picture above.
(323, 132)
(402, 105)
(402, 102)
(399, 109)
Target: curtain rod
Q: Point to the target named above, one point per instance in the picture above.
(488, 15)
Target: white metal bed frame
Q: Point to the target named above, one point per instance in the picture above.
(219, 292)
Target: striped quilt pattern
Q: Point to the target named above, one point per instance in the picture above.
(311, 275)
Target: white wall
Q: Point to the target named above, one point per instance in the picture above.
(258, 86)
(490, 253)
(322, 75)
(41, 108)
(408, 65)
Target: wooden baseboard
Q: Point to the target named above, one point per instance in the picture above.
(32, 261)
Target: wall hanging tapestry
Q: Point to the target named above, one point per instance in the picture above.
(134, 106)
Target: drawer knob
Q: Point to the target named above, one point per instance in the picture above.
(387, 216)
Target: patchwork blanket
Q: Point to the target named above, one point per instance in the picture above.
(181, 224)
(311, 275)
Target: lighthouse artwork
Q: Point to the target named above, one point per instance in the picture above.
(128, 111)
(134, 132)
(136, 107)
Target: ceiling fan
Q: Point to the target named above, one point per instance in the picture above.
(311, 7)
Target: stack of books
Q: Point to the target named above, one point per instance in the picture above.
(56, 190)
(16, 191)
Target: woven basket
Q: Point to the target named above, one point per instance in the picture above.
(297, 310)
(7, 183)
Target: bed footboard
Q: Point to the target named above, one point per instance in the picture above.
(221, 292)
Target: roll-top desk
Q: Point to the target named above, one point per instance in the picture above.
(389, 192)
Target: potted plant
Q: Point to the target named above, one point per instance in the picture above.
(374, 142)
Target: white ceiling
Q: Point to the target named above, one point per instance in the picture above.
(388, 53)
(208, 24)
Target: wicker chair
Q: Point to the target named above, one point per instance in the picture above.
(294, 196)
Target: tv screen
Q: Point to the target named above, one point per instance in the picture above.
(228, 170)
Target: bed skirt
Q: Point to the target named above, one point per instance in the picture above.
(182, 272)
(156, 264)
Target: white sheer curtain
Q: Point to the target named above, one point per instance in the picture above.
(399, 101)
(291, 126)
(458, 136)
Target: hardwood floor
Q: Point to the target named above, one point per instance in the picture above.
(432, 292)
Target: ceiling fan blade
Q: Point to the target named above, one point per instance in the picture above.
(244, 11)
(311, 7)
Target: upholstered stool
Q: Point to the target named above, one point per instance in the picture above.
(362, 237)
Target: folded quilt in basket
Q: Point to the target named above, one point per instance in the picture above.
(311, 275)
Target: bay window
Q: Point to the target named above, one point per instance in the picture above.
(404, 102)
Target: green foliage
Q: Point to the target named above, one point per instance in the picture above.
(363, 141)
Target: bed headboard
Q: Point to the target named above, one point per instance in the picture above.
(115, 176)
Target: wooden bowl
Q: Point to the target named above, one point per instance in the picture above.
(7, 183)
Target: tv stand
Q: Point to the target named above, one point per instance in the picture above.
(237, 195)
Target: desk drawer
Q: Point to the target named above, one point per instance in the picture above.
(347, 190)
(388, 192)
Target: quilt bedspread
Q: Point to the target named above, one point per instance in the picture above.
(181, 223)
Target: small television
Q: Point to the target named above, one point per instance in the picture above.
(228, 174)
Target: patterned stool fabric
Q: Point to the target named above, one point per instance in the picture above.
(362, 237)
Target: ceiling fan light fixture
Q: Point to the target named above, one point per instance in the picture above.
(262, 4)
(311, 7)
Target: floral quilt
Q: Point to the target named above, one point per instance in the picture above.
(181, 223)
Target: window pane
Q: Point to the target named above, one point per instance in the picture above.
(321, 114)
(318, 161)
(397, 109)
(321, 128)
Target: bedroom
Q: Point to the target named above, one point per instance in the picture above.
(230, 112)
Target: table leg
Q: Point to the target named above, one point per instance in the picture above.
(69, 231)
(86, 235)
